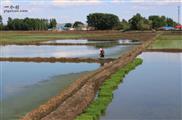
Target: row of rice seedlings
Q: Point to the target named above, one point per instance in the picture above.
(105, 95)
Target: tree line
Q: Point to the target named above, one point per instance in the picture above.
(99, 21)
(110, 21)
(28, 24)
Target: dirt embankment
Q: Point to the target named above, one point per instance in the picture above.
(73, 100)
(165, 50)
(53, 59)
(66, 44)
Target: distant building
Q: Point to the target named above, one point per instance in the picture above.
(178, 27)
(61, 27)
(167, 28)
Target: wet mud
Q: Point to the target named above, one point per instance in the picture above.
(53, 59)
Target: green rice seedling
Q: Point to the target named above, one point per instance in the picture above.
(106, 93)
(95, 115)
(99, 105)
(85, 117)
(105, 100)
(126, 70)
(117, 79)
(138, 61)
(110, 83)
(94, 111)
(109, 87)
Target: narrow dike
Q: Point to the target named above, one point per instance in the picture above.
(105, 95)
(53, 59)
(76, 98)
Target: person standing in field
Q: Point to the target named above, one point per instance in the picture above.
(101, 52)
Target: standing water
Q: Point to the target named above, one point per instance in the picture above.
(61, 51)
(25, 86)
(87, 41)
(151, 92)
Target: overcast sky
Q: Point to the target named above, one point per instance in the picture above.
(77, 10)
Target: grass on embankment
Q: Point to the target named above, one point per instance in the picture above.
(105, 94)
(28, 37)
(167, 42)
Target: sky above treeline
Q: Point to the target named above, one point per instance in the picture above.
(76, 10)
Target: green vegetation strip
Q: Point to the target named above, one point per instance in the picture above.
(105, 95)
(167, 42)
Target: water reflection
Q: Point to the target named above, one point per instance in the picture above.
(152, 91)
(88, 41)
(61, 51)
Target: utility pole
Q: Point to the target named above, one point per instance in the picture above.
(179, 15)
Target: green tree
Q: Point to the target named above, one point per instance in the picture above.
(10, 24)
(27, 24)
(125, 25)
(102, 21)
(160, 21)
(78, 24)
(137, 22)
(157, 21)
(68, 25)
(1, 22)
(52, 23)
(170, 22)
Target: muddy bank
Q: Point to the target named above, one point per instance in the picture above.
(66, 44)
(73, 100)
(53, 59)
(164, 50)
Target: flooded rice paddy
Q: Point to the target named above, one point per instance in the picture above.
(151, 92)
(87, 41)
(27, 85)
(62, 51)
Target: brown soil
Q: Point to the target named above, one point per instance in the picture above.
(65, 44)
(53, 59)
(164, 50)
(73, 100)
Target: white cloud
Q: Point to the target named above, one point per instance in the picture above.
(146, 3)
(156, 1)
(5, 2)
(87, 2)
(75, 2)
